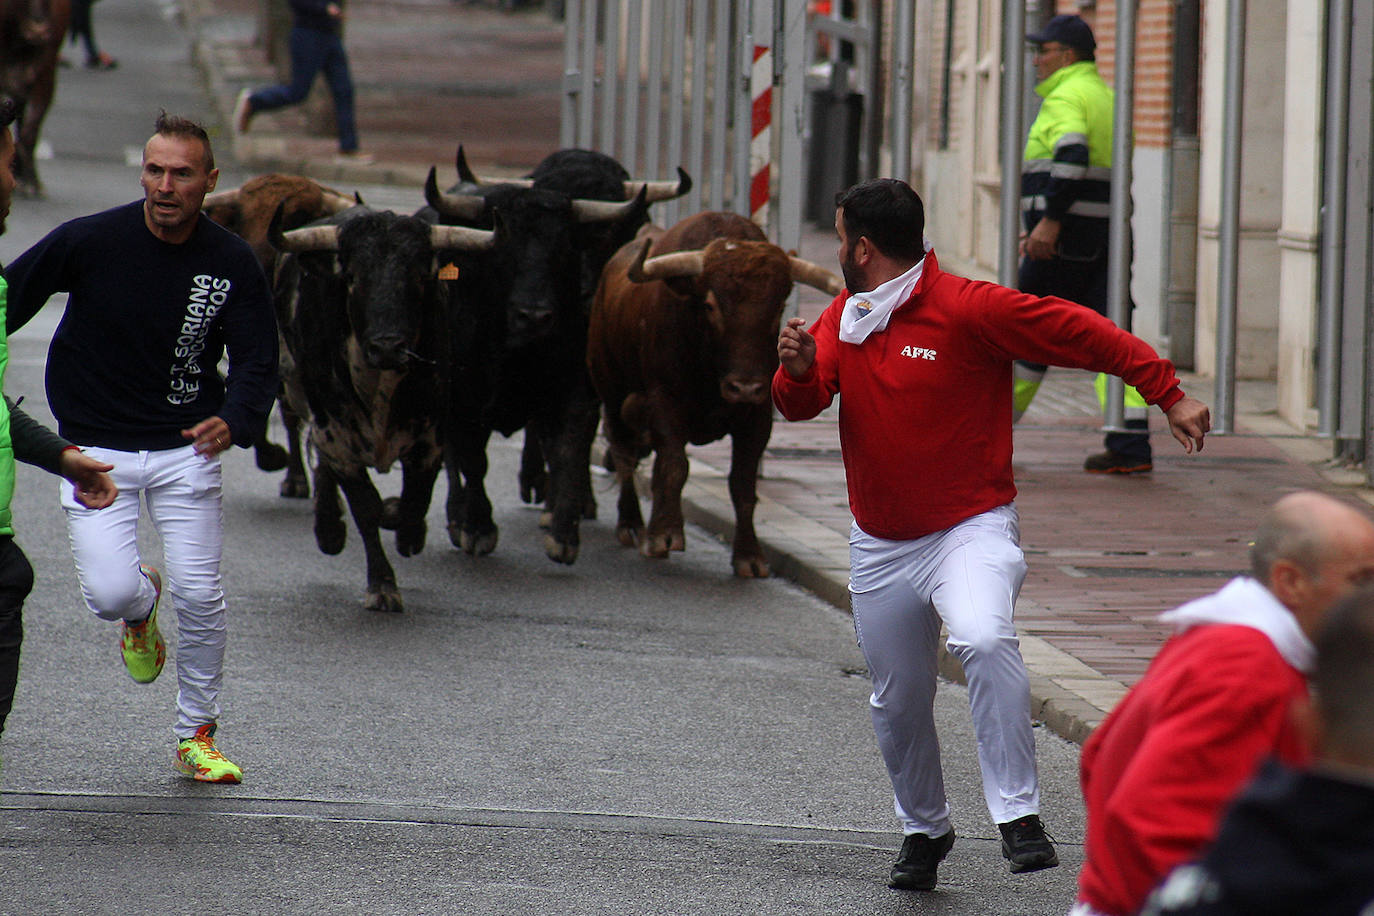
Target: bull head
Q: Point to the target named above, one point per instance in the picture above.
(691, 263)
(471, 208)
(654, 191)
(326, 237)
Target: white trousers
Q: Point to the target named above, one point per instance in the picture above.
(968, 576)
(182, 491)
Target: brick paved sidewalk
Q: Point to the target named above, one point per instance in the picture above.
(1106, 554)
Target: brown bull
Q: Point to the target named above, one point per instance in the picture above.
(682, 348)
(247, 211)
(31, 34)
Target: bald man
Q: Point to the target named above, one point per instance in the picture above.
(1216, 701)
(1302, 841)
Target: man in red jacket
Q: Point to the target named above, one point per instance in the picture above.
(924, 362)
(1215, 702)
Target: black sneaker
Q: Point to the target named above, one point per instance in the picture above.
(915, 866)
(1110, 462)
(1026, 846)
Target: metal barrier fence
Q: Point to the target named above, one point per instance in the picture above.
(713, 86)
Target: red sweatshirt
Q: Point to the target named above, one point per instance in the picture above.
(925, 414)
(1158, 773)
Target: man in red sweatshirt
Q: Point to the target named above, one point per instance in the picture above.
(923, 360)
(1215, 703)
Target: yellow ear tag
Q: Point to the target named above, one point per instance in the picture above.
(448, 272)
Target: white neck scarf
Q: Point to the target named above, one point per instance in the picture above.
(868, 313)
(1245, 602)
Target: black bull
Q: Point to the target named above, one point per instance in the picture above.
(520, 344)
(364, 318)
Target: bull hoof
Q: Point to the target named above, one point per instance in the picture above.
(627, 535)
(293, 487)
(545, 520)
(390, 518)
(751, 568)
(532, 490)
(330, 536)
(477, 544)
(655, 547)
(269, 456)
(560, 553)
(385, 598)
(410, 539)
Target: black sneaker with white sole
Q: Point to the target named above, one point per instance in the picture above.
(1026, 845)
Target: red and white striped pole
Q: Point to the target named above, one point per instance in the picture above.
(761, 144)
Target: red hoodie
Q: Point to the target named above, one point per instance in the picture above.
(925, 413)
(1158, 773)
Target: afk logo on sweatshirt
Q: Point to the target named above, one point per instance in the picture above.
(919, 353)
(208, 295)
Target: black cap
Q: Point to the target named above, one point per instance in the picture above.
(1069, 30)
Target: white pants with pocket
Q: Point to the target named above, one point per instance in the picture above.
(183, 494)
(968, 576)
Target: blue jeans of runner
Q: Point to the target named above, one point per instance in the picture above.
(311, 52)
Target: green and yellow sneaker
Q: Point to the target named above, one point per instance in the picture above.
(198, 758)
(141, 642)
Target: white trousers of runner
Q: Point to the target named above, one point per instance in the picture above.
(968, 576)
(182, 491)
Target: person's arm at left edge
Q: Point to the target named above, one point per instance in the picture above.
(39, 446)
(250, 390)
(33, 278)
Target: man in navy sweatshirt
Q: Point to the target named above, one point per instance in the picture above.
(157, 294)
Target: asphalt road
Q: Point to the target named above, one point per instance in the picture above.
(620, 736)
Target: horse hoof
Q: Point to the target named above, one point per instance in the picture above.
(295, 488)
(627, 535)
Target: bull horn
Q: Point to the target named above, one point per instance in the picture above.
(466, 174)
(665, 266)
(221, 199)
(297, 241)
(661, 190)
(814, 275)
(466, 208)
(608, 211)
(461, 238)
(334, 202)
(310, 238)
